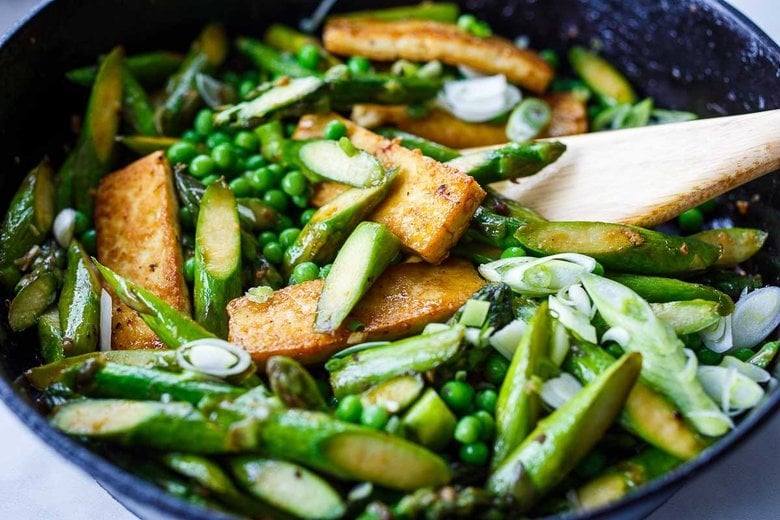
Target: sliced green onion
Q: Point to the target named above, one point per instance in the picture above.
(558, 391)
(539, 276)
(735, 391)
(617, 334)
(571, 318)
(214, 357)
(528, 119)
(717, 337)
(505, 341)
(106, 315)
(756, 315)
(560, 342)
(759, 375)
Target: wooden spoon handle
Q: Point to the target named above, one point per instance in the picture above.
(648, 175)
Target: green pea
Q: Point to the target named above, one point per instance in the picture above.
(201, 166)
(349, 409)
(458, 395)
(708, 206)
(691, 221)
(288, 236)
(306, 272)
(277, 199)
(247, 141)
(309, 56)
(300, 201)
(209, 179)
(182, 152)
(266, 237)
(191, 136)
(487, 425)
(743, 354)
(188, 241)
(467, 430)
(204, 122)
(224, 156)
(80, 223)
(294, 183)
(241, 187)
(358, 65)
(88, 240)
(551, 57)
(283, 222)
(277, 171)
(307, 215)
(189, 269)
(335, 130)
(217, 138)
(261, 179)
(475, 453)
(185, 217)
(496, 368)
(486, 400)
(614, 350)
(253, 162)
(514, 251)
(273, 252)
(708, 357)
(325, 270)
(374, 417)
(246, 87)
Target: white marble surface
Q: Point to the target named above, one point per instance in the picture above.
(37, 484)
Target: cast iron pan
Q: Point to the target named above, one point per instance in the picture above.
(698, 55)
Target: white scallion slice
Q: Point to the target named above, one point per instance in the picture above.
(557, 391)
(64, 226)
(718, 337)
(106, 313)
(560, 343)
(505, 341)
(539, 276)
(479, 99)
(213, 356)
(734, 391)
(617, 334)
(756, 315)
(757, 374)
(571, 318)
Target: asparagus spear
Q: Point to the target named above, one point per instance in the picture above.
(601, 76)
(173, 327)
(429, 421)
(616, 482)
(765, 354)
(517, 408)
(136, 109)
(394, 394)
(493, 229)
(667, 368)
(509, 162)
(381, 89)
(355, 373)
(29, 218)
(428, 148)
(509, 208)
(277, 149)
(269, 59)
(646, 412)
(206, 55)
(33, 300)
(561, 439)
(50, 335)
(150, 69)
(619, 247)
(341, 162)
(144, 145)
(79, 303)
(287, 39)
(288, 487)
(736, 244)
(293, 384)
(91, 158)
(436, 11)
(687, 317)
(217, 258)
(657, 289)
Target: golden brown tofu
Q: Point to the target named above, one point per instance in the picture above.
(568, 115)
(439, 125)
(137, 224)
(420, 40)
(401, 302)
(429, 205)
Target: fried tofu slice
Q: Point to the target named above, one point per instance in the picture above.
(422, 40)
(568, 115)
(439, 125)
(401, 302)
(137, 224)
(429, 204)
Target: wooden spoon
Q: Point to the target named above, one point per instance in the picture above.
(648, 175)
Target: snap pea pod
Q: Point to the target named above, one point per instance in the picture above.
(27, 221)
(206, 55)
(136, 109)
(151, 69)
(646, 412)
(667, 368)
(173, 328)
(517, 408)
(564, 437)
(736, 244)
(293, 384)
(287, 39)
(91, 158)
(656, 289)
(511, 161)
(217, 258)
(79, 303)
(621, 479)
(428, 148)
(619, 247)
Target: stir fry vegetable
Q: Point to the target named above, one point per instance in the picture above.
(277, 312)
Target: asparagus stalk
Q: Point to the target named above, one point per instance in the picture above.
(509, 208)
(511, 161)
(687, 317)
(33, 299)
(270, 60)
(79, 303)
(144, 145)
(656, 289)
(151, 69)
(287, 39)
(435, 11)
(428, 148)
(736, 244)
(493, 229)
(429, 421)
(294, 385)
(136, 109)
(765, 354)
(50, 335)
(381, 89)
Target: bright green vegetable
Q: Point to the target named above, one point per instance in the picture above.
(564, 437)
(50, 335)
(765, 354)
(666, 366)
(458, 395)
(144, 145)
(429, 421)
(136, 109)
(437, 11)
(360, 261)
(293, 384)
(687, 317)
(150, 69)
(79, 303)
(511, 161)
(355, 373)
(287, 39)
(381, 89)
(394, 394)
(217, 258)
(657, 289)
(494, 229)
(736, 244)
(428, 148)
(328, 160)
(270, 60)
(601, 77)
(528, 119)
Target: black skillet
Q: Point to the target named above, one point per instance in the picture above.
(698, 55)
